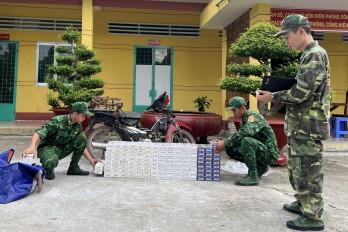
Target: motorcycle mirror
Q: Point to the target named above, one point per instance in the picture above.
(157, 105)
(166, 101)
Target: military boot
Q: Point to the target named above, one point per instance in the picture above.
(74, 168)
(249, 180)
(262, 169)
(50, 174)
(304, 223)
(294, 207)
(77, 171)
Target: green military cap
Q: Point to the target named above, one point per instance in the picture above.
(236, 102)
(291, 22)
(81, 107)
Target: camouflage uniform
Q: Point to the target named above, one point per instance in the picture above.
(307, 115)
(58, 138)
(254, 143)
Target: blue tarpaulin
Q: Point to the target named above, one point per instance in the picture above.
(16, 179)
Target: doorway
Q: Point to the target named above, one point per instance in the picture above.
(153, 74)
(8, 80)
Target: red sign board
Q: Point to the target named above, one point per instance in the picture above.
(320, 20)
(4, 36)
(155, 42)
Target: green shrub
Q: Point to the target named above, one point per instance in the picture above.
(247, 70)
(202, 103)
(82, 53)
(288, 70)
(240, 84)
(74, 78)
(273, 55)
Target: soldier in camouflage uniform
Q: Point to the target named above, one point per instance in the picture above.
(254, 143)
(307, 115)
(61, 136)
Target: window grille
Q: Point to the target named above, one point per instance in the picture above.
(45, 56)
(153, 29)
(8, 55)
(38, 24)
(318, 35)
(345, 37)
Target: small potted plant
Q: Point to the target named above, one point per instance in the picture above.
(73, 74)
(202, 103)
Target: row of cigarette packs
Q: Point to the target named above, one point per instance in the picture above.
(171, 161)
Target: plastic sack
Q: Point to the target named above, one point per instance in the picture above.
(16, 179)
(239, 168)
(235, 167)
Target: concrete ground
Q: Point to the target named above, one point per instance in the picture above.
(93, 203)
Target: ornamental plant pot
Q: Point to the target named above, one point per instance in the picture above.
(66, 111)
(282, 139)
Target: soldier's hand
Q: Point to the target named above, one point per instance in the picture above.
(214, 141)
(28, 151)
(264, 96)
(94, 162)
(220, 145)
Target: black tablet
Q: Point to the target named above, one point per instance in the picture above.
(275, 84)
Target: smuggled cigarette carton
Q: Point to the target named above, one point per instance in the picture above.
(99, 168)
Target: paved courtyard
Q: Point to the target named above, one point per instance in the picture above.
(93, 203)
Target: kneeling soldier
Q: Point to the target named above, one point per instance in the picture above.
(254, 143)
(58, 138)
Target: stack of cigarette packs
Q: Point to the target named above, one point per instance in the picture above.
(208, 163)
(171, 161)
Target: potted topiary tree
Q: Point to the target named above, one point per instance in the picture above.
(274, 58)
(74, 71)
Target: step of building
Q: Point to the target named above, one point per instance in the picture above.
(19, 127)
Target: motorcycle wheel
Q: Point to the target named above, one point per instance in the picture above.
(182, 136)
(102, 134)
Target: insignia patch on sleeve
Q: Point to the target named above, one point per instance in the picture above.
(251, 118)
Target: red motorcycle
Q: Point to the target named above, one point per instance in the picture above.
(119, 126)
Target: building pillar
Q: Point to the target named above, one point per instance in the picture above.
(260, 12)
(225, 114)
(87, 23)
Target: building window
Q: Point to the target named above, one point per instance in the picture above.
(144, 56)
(162, 56)
(46, 57)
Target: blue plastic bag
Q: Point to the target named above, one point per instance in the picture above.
(16, 179)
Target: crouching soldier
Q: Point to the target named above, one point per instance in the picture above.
(61, 136)
(254, 143)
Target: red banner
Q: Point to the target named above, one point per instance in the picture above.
(320, 20)
(4, 36)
